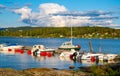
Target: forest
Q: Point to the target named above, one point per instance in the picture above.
(61, 32)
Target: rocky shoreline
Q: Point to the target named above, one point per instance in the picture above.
(38, 72)
(109, 69)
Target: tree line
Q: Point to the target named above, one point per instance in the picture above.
(56, 32)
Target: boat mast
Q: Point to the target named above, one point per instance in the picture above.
(90, 44)
(99, 49)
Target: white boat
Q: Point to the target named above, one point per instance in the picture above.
(108, 57)
(67, 55)
(88, 56)
(69, 45)
(95, 56)
(41, 50)
(4, 47)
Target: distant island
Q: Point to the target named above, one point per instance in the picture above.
(61, 32)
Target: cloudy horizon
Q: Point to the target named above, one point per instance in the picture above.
(52, 14)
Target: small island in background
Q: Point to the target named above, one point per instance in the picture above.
(60, 32)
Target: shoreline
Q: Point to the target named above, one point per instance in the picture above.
(109, 69)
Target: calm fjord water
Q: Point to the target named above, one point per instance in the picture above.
(24, 61)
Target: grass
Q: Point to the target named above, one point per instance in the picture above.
(106, 70)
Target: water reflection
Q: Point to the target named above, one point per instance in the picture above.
(24, 61)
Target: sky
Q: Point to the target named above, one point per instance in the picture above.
(59, 13)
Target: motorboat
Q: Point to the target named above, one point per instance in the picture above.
(88, 56)
(93, 56)
(111, 56)
(67, 55)
(96, 56)
(41, 50)
(11, 49)
(4, 47)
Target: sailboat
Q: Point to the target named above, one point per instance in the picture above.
(69, 45)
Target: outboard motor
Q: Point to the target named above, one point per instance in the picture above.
(97, 59)
(35, 52)
(74, 56)
(79, 57)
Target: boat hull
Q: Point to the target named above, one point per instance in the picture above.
(77, 49)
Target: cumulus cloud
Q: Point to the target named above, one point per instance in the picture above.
(50, 8)
(55, 15)
(25, 12)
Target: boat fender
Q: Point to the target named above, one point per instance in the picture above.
(21, 51)
(49, 54)
(29, 52)
(71, 56)
(9, 49)
(92, 59)
(79, 46)
(43, 53)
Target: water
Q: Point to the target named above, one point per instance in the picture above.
(24, 61)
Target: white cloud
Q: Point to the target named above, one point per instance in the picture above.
(25, 12)
(50, 8)
(55, 15)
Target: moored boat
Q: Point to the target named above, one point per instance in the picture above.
(68, 46)
(41, 50)
(93, 56)
(11, 49)
(4, 47)
(96, 56)
(69, 55)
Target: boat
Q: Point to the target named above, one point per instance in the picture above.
(93, 56)
(69, 55)
(11, 49)
(69, 45)
(4, 47)
(41, 50)
(97, 56)
(88, 56)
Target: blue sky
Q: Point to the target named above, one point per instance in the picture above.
(59, 13)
